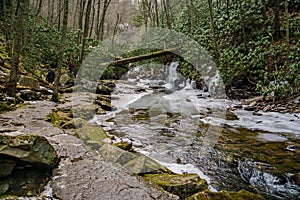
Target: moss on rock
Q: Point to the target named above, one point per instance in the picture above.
(225, 195)
(5, 108)
(124, 145)
(183, 185)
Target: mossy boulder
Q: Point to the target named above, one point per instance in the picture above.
(64, 119)
(64, 79)
(28, 148)
(58, 118)
(105, 87)
(183, 185)
(30, 82)
(30, 95)
(124, 145)
(85, 111)
(92, 134)
(134, 163)
(225, 195)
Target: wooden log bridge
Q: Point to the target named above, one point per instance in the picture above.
(124, 61)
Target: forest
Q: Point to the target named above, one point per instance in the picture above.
(254, 43)
(106, 99)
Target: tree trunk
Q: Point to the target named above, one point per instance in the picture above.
(156, 13)
(192, 15)
(38, 8)
(244, 34)
(264, 9)
(212, 28)
(80, 21)
(59, 14)
(74, 26)
(166, 6)
(116, 24)
(49, 12)
(138, 58)
(61, 52)
(93, 18)
(286, 6)
(18, 28)
(98, 20)
(145, 12)
(11, 26)
(101, 26)
(276, 20)
(86, 29)
(26, 25)
(52, 13)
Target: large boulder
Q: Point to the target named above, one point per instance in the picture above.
(97, 139)
(64, 79)
(29, 82)
(183, 185)
(28, 148)
(26, 162)
(30, 95)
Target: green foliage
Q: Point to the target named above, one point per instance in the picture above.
(253, 59)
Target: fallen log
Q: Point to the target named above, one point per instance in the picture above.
(141, 57)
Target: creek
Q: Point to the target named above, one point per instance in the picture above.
(166, 118)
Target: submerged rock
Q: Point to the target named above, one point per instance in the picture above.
(225, 195)
(296, 178)
(183, 185)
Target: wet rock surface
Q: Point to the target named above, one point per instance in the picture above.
(183, 185)
(224, 195)
(28, 148)
(81, 172)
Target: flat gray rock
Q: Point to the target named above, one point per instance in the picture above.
(81, 173)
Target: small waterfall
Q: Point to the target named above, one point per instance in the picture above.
(172, 77)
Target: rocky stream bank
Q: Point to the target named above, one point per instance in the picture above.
(47, 154)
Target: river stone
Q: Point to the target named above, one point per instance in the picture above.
(6, 167)
(3, 188)
(28, 148)
(30, 95)
(296, 178)
(134, 163)
(104, 89)
(183, 185)
(92, 133)
(124, 145)
(64, 79)
(225, 195)
(29, 82)
(105, 105)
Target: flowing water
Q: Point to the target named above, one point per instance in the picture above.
(166, 118)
